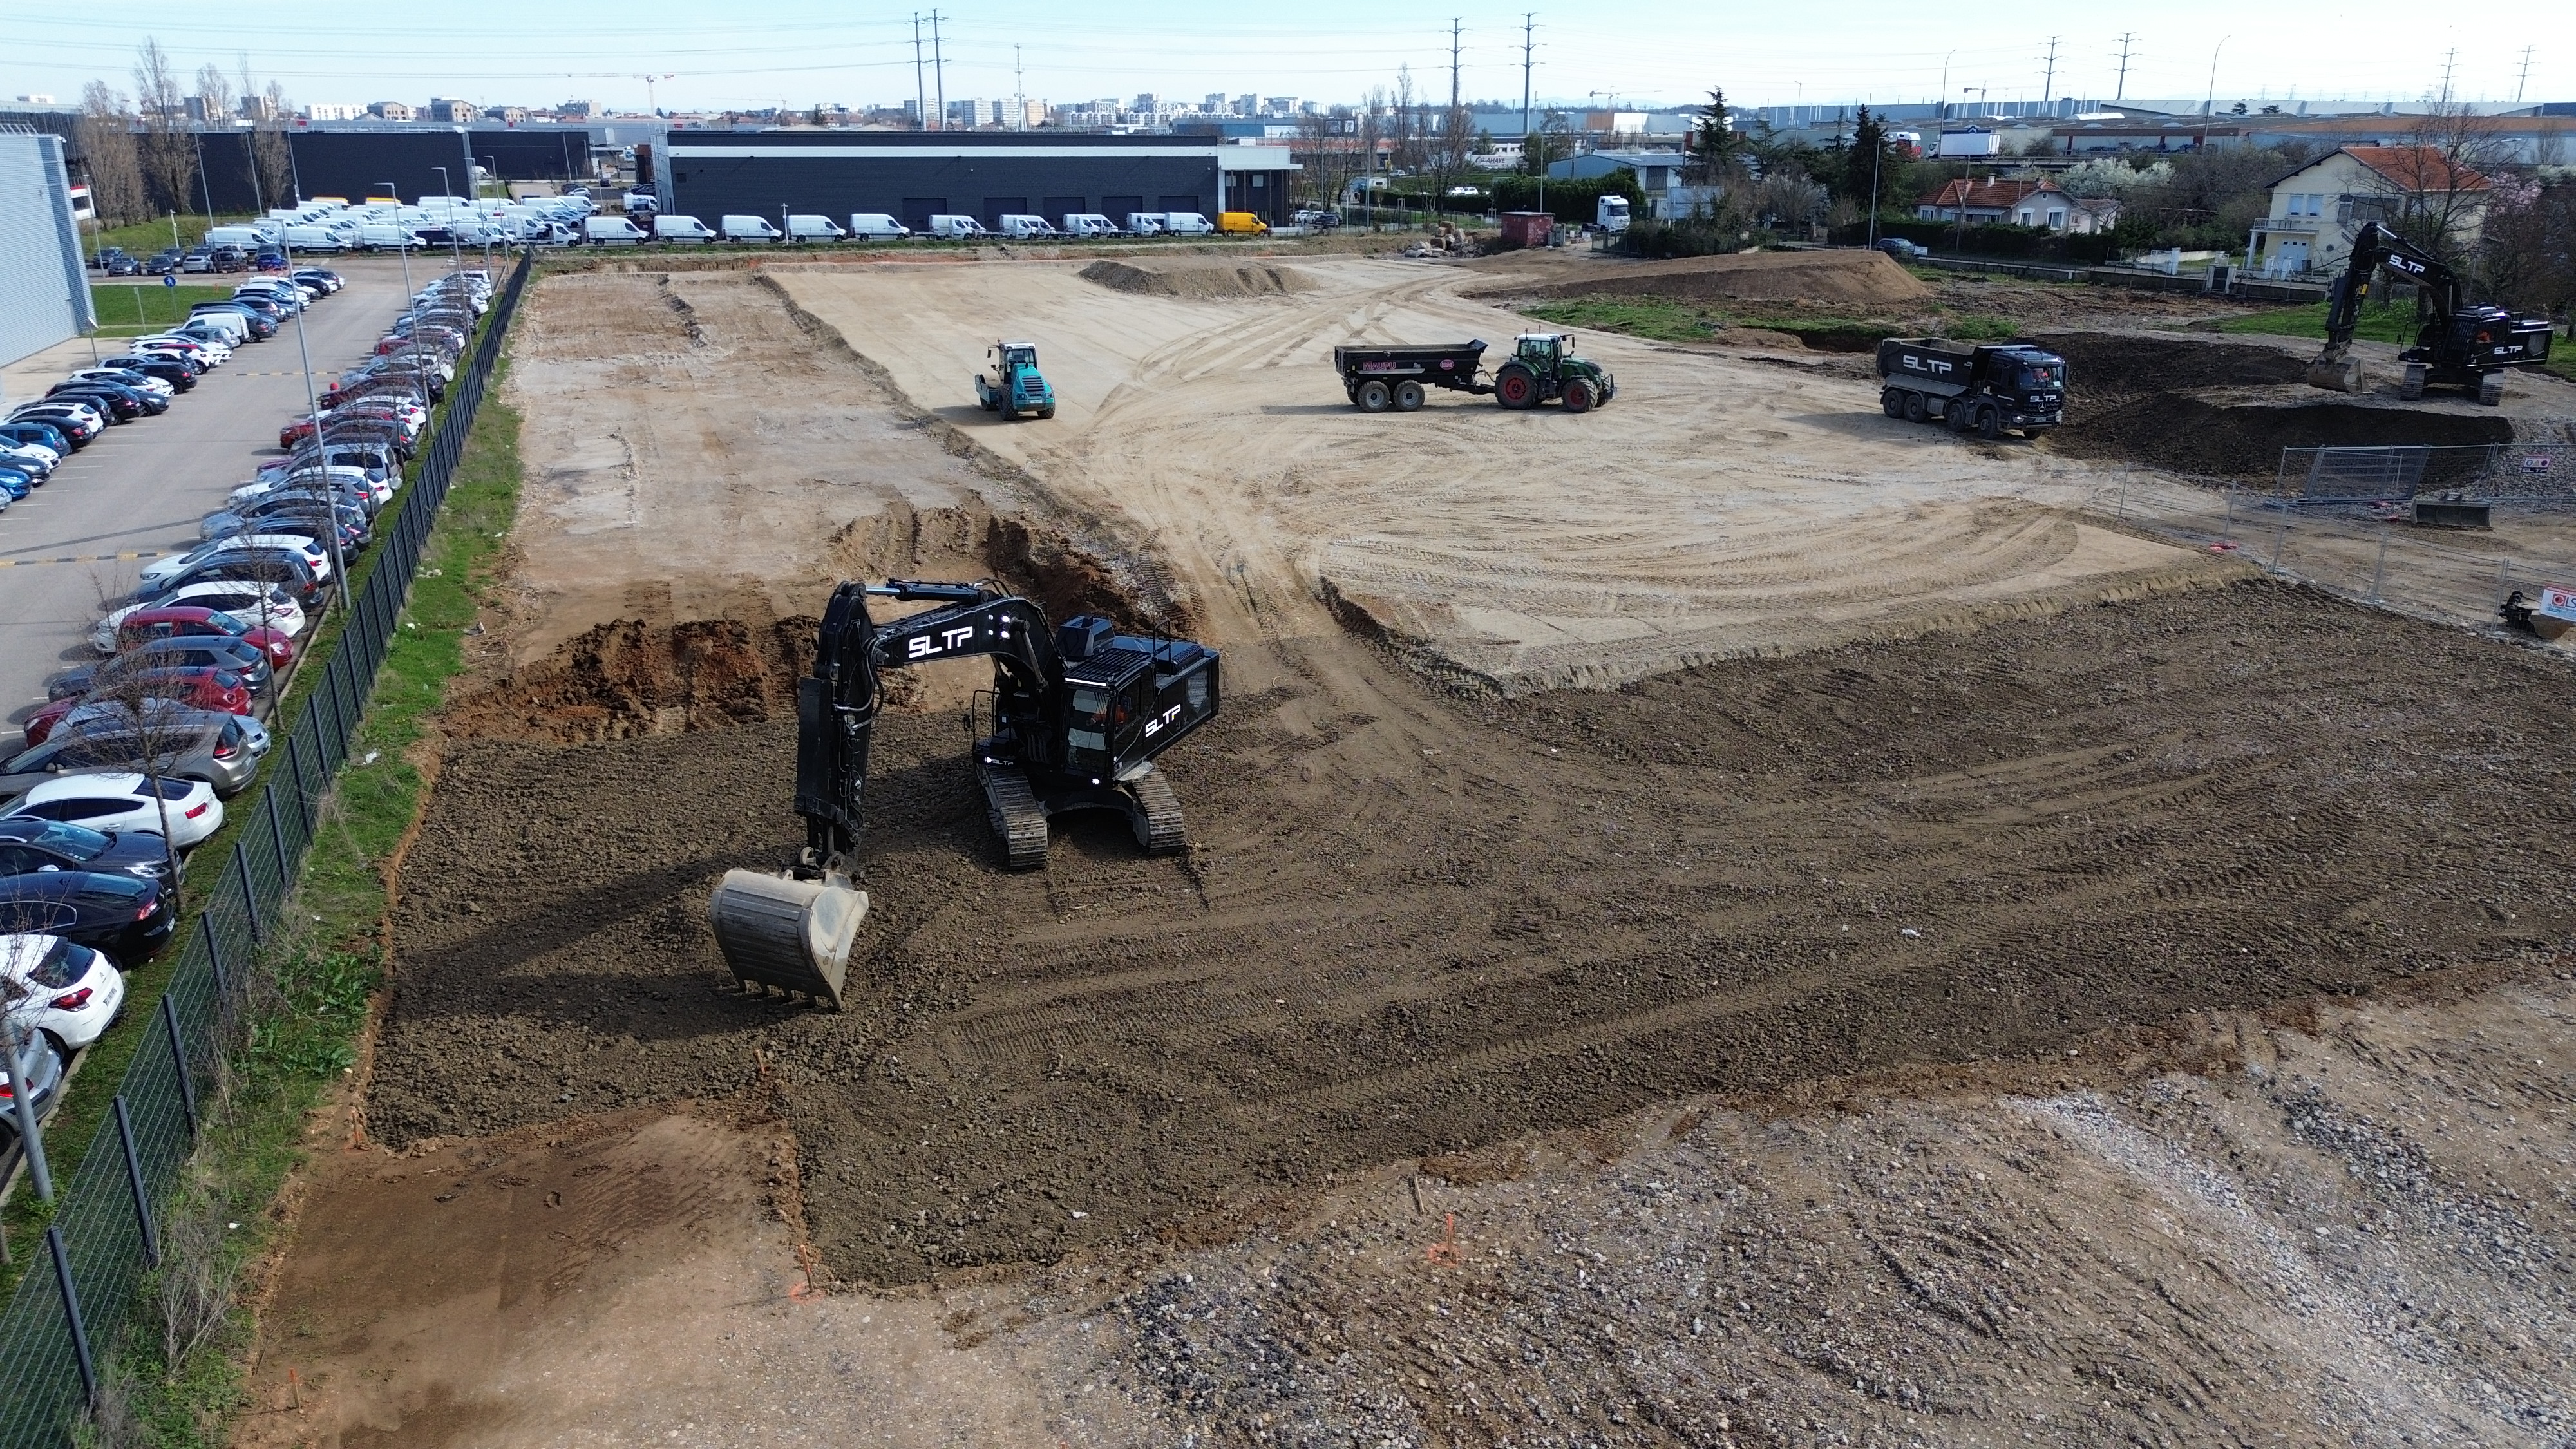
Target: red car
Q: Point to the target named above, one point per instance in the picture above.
(195, 686)
(181, 621)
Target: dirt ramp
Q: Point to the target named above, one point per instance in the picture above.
(1199, 281)
(2227, 409)
(1834, 279)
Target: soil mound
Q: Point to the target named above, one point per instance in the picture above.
(1831, 279)
(1200, 281)
(2226, 410)
(628, 678)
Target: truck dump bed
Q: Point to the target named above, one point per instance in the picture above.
(1928, 359)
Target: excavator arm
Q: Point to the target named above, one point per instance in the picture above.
(2374, 247)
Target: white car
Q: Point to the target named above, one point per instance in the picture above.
(237, 597)
(70, 993)
(123, 802)
(160, 570)
(205, 354)
(152, 385)
(35, 459)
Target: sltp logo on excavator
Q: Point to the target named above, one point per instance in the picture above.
(923, 646)
(1154, 726)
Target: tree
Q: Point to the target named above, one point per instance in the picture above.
(1714, 146)
(2440, 188)
(215, 98)
(2527, 246)
(106, 133)
(168, 150)
(1867, 163)
(274, 163)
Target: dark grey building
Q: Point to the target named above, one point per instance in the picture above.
(43, 272)
(913, 175)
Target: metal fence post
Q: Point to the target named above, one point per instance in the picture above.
(250, 901)
(72, 1313)
(304, 799)
(134, 1181)
(215, 956)
(179, 1062)
(2379, 570)
(277, 841)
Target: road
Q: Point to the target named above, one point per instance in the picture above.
(138, 490)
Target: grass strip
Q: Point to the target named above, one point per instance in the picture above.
(2378, 324)
(149, 308)
(327, 973)
(1675, 319)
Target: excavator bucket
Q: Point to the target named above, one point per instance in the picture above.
(793, 934)
(2337, 374)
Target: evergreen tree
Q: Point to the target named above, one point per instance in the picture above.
(1713, 142)
(1866, 160)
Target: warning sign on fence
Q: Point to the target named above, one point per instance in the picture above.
(2535, 462)
(2557, 602)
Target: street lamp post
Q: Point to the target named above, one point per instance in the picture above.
(321, 449)
(2212, 98)
(455, 251)
(411, 299)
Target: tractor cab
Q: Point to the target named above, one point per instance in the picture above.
(1543, 351)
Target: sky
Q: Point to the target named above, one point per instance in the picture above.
(803, 52)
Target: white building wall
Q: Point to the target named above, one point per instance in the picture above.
(42, 269)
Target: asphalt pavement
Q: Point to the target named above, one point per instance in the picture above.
(75, 546)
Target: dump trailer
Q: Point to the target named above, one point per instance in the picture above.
(1379, 378)
(1543, 366)
(1986, 388)
(1076, 716)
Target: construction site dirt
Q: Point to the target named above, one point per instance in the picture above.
(1951, 1017)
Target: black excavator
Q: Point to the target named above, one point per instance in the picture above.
(1075, 718)
(2456, 345)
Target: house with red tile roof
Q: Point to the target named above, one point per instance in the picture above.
(2318, 209)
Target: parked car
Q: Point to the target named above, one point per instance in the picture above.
(161, 570)
(189, 621)
(74, 420)
(111, 402)
(31, 458)
(44, 1067)
(67, 990)
(125, 804)
(229, 259)
(163, 262)
(127, 916)
(267, 260)
(175, 375)
(241, 656)
(29, 845)
(158, 387)
(329, 281)
(193, 686)
(115, 262)
(215, 748)
(1902, 249)
(197, 259)
(265, 604)
(1317, 220)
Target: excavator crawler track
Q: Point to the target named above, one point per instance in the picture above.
(1157, 816)
(1019, 823)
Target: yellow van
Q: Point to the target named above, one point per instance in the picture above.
(1241, 223)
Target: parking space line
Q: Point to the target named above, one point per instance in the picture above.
(11, 563)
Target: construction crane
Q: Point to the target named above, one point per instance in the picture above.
(1074, 721)
(649, 103)
(2456, 345)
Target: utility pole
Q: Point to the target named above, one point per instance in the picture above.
(2450, 58)
(2523, 79)
(1019, 93)
(1529, 23)
(2122, 90)
(2048, 87)
(938, 70)
(920, 91)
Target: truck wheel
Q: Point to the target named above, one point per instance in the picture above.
(1408, 396)
(1911, 407)
(1515, 388)
(1891, 402)
(1990, 422)
(2491, 389)
(1373, 396)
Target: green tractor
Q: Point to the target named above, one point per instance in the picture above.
(1544, 366)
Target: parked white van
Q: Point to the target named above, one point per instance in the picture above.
(802, 228)
(1187, 223)
(1089, 223)
(376, 236)
(610, 231)
(309, 237)
(1145, 223)
(245, 237)
(878, 225)
(748, 229)
(1024, 226)
(956, 226)
(681, 229)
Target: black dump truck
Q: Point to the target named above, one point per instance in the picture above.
(1543, 366)
(1986, 388)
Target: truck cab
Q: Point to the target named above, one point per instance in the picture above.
(1011, 384)
(1610, 214)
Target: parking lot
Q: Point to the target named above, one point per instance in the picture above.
(78, 543)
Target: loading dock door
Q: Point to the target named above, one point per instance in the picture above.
(1060, 207)
(918, 210)
(997, 207)
(1182, 203)
(1116, 208)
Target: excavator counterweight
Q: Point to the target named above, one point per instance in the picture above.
(1078, 715)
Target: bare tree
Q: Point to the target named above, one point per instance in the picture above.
(215, 96)
(268, 149)
(2527, 245)
(169, 150)
(2436, 190)
(106, 133)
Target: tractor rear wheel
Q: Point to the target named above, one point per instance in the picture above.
(1515, 388)
(1891, 402)
(1408, 396)
(1373, 396)
(1578, 396)
(1911, 406)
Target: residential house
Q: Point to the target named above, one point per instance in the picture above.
(2318, 209)
(1658, 172)
(2018, 202)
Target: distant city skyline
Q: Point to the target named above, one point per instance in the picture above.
(799, 53)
